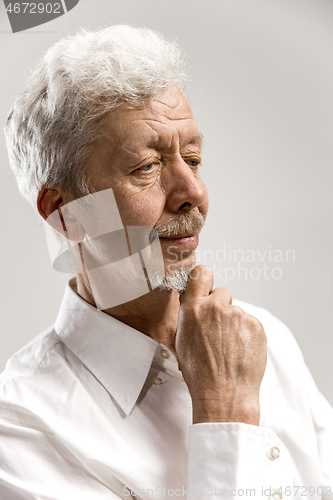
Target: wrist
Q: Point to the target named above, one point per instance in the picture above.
(205, 411)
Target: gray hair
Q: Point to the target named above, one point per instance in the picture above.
(53, 126)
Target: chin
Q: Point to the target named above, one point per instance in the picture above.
(173, 281)
(176, 275)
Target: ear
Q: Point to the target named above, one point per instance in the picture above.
(51, 205)
(48, 200)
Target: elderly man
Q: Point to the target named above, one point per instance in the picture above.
(178, 391)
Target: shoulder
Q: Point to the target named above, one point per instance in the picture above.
(268, 320)
(25, 361)
(279, 337)
(28, 376)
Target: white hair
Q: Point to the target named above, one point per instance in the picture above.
(53, 126)
(175, 280)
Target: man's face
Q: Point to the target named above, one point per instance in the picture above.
(150, 158)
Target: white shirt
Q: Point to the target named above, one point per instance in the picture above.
(93, 409)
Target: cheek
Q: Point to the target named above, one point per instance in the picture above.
(140, 207)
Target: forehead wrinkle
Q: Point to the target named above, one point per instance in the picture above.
(196, 137)
(167, 118)
(131, 152)
(168, 137)
(134, 144)
(163, 138)
(167, 105)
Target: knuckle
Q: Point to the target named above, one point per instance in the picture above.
(263, 335)
(205, 270)
(233, 313)
(257, 325)
(254, 321)
(258, 328)
(237, 311)
(227, 294)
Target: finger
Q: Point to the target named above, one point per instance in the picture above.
(200, 283)
(224, 295)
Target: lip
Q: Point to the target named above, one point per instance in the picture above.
(181, 236)
(183, 239)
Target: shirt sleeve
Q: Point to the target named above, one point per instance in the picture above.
(240, 460)
(322, 416)
(235, 459)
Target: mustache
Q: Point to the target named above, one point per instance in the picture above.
(178, 224)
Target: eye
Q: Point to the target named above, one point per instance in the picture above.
(193, 162)
(148, 168)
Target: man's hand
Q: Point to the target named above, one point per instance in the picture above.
(221, 352)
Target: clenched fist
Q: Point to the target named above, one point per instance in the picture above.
(221, 352)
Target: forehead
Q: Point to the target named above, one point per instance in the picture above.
(164, 120)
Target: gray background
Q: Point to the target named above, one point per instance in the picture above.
(261, 91)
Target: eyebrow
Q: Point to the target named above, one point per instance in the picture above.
(196, 139)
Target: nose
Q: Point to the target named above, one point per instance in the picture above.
(183, 186)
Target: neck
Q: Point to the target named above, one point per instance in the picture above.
(154, 314)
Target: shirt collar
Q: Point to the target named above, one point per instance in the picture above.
(119, 356)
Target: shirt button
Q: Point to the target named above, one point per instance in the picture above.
(274, 453)
(157, 381)
(164, 353)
